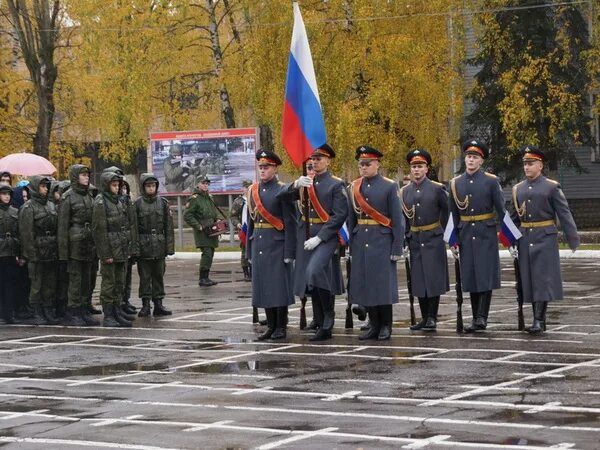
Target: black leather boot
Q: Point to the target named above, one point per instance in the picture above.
(374, 325)
(484, 309)
(125, 314)
(327, 302)
(73, 318)
(317, 321)
(159, 309)
(87, 318)
(475, 299)
(271, 314)
(120, 316)
(433, 304)
(385, 316)
(48, 312)
(539, 318)
(423, 305)
(281, 323)
(211, 282)
(145, 311)
(38, 316)
(109, 317)
(360, 311)
(128, 307)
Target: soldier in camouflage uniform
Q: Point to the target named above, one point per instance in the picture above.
(76, 246)
(95, 266)
(125, 199)
(238, 210)
(156, 240)
(38, 226)
(10, 251)
(114, 236)
(200, 213)
(62, 297)
(176, 170)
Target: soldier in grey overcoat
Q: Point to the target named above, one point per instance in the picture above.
(376, 229)
(475, 195)
(426, 208)
(270, 246)
(317, 270)
(538, 201)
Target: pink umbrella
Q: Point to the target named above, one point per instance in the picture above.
(26, 164)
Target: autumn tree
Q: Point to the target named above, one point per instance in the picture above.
(36, 25)
(533, 82)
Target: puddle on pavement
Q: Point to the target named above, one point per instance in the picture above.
(108, 369)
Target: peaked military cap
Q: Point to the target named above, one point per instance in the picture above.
(418, 156)
(532, 153)
(366, 152)
(477, 147)
(324, 150)
(5, 188)
(268, 157)
(202, 179)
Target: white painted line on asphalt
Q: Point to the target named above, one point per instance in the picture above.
(21, 414)
(484, 389)
(342, 396)
(161, 385)
(252, 391)
(552, 375)
(343, 352)
(79, 443)
(372, 381)
(508, 357)
(103, 423)
(299, 437)
(233, 319)
(427, 442)
(540, 408)
(207, 426)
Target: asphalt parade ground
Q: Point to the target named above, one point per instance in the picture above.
(198, 379)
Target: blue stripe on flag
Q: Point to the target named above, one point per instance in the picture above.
(300, 97)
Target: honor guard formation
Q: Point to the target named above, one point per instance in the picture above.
(54, 236)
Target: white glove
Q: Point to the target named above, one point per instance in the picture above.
(303, 181)
(312, 243)
(406, 252)
(513, 251)
(395, 257)
(288, 260)
(454, 250)
(249, 261)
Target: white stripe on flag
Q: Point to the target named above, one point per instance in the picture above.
(511, 226)
(449, 229)
(301, 51)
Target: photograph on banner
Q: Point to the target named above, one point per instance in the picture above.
(226, 157)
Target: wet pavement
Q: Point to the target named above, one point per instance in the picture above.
(198, 379)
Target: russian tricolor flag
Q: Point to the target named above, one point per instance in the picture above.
(303, 128)
(344, 235)
(509, 233)
(244, 231)
(450, 233)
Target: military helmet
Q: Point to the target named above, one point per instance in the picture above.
(175, 150)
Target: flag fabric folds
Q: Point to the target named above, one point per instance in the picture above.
(450, 233)
(509, 233)
(243, 233)
(344, 235)
(303, 127)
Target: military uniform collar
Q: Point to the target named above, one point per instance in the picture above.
(423, 183)
(536, 181)
(474, 175)
(323, 176)
(272, 181)
(373, 178)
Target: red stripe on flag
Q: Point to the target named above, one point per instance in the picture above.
(294, 140)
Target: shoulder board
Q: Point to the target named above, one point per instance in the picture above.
(194, 196)
(519, 183)
(336, 178)
(455, 178)
(436, 183)
(490, 175)
(389, 180)
(552, 181)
